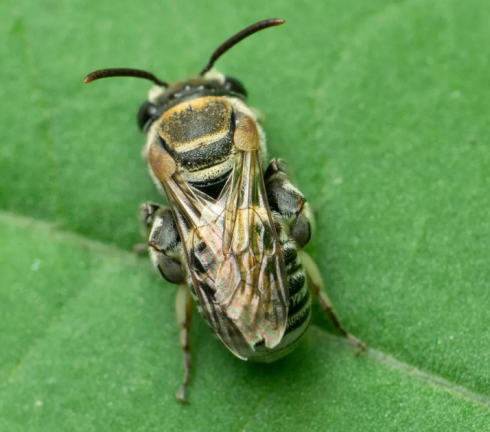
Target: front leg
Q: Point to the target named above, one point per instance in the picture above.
(163, 242)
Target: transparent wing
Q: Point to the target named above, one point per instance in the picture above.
(255, 297)
(234, 256)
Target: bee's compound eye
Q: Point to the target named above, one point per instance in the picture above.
(234, 85)
(146, 112)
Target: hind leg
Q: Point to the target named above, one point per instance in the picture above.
(183, 310)
(315, 284)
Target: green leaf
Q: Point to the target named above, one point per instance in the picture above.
(380, 108)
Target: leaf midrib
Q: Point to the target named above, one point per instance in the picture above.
(113, 253)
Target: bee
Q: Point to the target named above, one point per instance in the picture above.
(232, 235)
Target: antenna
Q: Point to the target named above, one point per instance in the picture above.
(123, 72)
(250, 30)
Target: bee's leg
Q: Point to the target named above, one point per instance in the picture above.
(146, 216)
(165, 252)
(183, 309)
(163, 241)
(284, 198)
(315, 284)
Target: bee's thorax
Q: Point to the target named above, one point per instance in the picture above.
(198, 134)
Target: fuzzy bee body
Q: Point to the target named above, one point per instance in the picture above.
(233, 233)
(200, 136)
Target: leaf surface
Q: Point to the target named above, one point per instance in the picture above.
(380, 108)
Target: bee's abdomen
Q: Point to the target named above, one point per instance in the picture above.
(299, 300)
(299, 310)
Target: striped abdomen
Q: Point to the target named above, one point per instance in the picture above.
(299, 308)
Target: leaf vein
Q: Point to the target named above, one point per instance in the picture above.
(119, 254)
(46, 123)
(413, 371)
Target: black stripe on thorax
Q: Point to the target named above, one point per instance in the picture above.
(207, 155)
(212, 187)
(203, 157)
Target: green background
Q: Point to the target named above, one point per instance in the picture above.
(382, 111)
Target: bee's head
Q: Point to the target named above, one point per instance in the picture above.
(208, 83)
(162, 98)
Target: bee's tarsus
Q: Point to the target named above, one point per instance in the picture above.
(361, 346)
(181, 395)
(361, 349)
